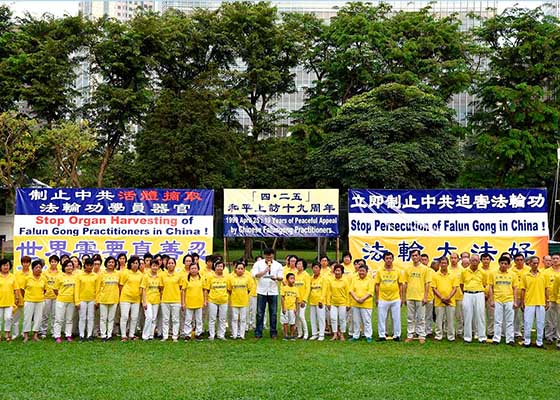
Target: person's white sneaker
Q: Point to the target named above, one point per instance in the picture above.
(314, 337)
(305, 337)
(321, 339)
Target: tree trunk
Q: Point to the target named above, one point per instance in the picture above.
(103, 167)
(323, 242)
(248, 252)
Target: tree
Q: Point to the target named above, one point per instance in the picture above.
(395, 136)
(120, 59)
(267, 52)
(19, 145)
(515, 127)
(365, 46)
(68, 143)
(184, 144)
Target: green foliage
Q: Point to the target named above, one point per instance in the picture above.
(515, 129)
(19, 145)
(395, 136)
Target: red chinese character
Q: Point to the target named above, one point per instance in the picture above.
(190, 196)
(171, 196)
(128, 195)
(149, 195)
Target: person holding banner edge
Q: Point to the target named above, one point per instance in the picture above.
(269, 273)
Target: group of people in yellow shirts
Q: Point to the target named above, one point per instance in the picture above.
(154, 297)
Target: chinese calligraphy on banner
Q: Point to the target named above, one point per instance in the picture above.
(441, 222)
(113, 221)
(281, 212)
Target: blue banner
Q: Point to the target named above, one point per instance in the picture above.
(460, 201)
(158, 202)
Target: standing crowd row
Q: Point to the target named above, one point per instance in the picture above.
(153, 297)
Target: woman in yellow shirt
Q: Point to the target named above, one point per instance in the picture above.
(361, 296)
(65, 290)
(107, 297)
(317, 296)
(216, 289)
(50, 298)
(9, 297)
(241, 285)
(86, 283)
(172, 283)
(34, 295)
(338, 302)
(194, 300)
(129, 285)
(151, 299)
(20, 276)
(302, 284)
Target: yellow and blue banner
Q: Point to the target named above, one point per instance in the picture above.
(103, 221)
(281, 212)
(441, 222)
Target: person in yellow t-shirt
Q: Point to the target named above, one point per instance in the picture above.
(290, 302)
(487, 267)
(302, 284)
(241, 285)
(455, 268)
(65, 290)
(9, 297)
(534, 300)
(473, 281)
(361, 292)
(317, 303)
(172, 300)
(415, 294)
(216, 290)
(131, 295)
(519, 268)
(50, 298)
(502, 295)
(20, 275)
(194, 302)
(34, 294)
(444, 286)
(433, 269)
(151, 299)
(551, 319)
(388, 294)
(107, 298)
(289, 267)
(338, 301)
(86, 284)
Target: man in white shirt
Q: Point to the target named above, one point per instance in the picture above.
(268, 273)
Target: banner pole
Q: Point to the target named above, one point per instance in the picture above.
(225, 251)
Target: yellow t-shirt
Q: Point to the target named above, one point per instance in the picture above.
(555, 289)
(20, 279)
(338, 292)
(318, 291)
(130, 282)
(218, 287)
(361, 287)
(551, 275)
(473, 281)
(85, 287)
(457, 272)
(431, 295)
(253, 292)
(151, 285)
(172, 285)
(534, 286)
(519, 273)
(8, 285)
(51, 276)
(416, 279)
(502, 285)
(302, 283)
(194, 293)
(35, 288)
(240, 288)
(108, 288)
(444, 285)
(290, 296)
(388, 281)
(326, 273)
(66, 286)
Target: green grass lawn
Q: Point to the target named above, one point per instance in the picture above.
(268, 369)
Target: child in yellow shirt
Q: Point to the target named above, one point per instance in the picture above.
(290, 303)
